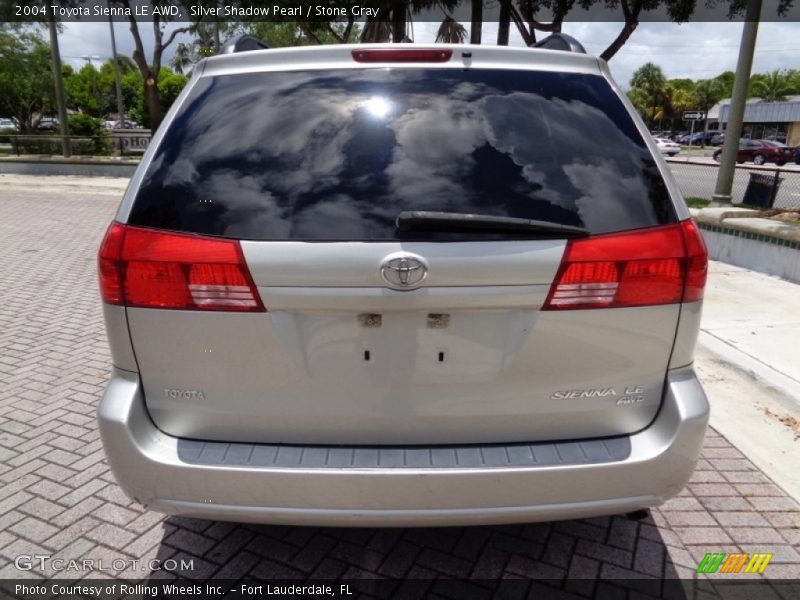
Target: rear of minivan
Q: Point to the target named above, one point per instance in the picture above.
(358, 285)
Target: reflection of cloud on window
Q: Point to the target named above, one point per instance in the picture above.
(434, 143)
(338, 154)
(308, 136)
(315, 221)
(255, 209)
(541, 135)
(602, 187)
(181, 172)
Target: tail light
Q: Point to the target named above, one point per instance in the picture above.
(662, 265)
(154, 269)
(381, 55)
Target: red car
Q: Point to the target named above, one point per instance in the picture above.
(760, 152)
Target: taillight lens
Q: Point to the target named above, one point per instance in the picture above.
(108, 264)
(155, 269)
(379, 55)
(662, 265)
(696, 261)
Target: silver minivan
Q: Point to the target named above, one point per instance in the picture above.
(384, 285)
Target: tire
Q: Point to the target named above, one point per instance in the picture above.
(781, 163)
(758, 159)
(672, 153)
(717, 156)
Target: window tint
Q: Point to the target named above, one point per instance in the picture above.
(337, 155)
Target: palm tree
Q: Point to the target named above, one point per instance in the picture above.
(674, 101)
(451, 32)
(774, 86)
(182, 59)
(650, 79)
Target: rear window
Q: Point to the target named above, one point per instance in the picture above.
(337, 155)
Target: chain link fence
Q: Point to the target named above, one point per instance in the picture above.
(763, 187)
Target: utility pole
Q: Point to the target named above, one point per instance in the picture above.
(117, 79)
(733, 132)
(59, 83)
(89, 60)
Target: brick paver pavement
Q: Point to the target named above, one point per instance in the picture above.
(57, 496)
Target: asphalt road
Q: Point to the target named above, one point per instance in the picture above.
(700, 180)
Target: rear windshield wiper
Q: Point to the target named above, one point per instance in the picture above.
(450, 221)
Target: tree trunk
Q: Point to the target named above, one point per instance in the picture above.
(476, 23)
(399, 21)
(153, 99)
(504, 23)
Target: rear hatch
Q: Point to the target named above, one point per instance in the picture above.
(273, 295)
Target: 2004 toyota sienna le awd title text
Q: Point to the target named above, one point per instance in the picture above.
(371, 285)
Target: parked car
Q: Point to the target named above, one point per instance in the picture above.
(797, 155)
(667, 147)
(126, 124)
(368, 285)
(718, 139)
(47, 124)
(760, 152)
(6, 123)
(698, 138)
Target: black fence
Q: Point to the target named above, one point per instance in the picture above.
(763, 187)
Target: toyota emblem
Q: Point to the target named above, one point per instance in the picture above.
(404, 271)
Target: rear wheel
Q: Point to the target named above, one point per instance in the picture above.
(758, 159)
(717, 155)
(780, 163)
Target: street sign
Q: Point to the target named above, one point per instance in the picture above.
(693, 115)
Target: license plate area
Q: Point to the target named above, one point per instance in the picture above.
(407, 348)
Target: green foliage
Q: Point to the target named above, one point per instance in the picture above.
(661, 102)
(707, 92)
(170, 85)
(725, 81)
(82, 124)
(697, 202)
(26, 78)
(650, 81)
(774, 86)
(85, 126)
(82, 90)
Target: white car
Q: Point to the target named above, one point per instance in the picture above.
(667, 147)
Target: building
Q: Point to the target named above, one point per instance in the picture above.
(778, 121)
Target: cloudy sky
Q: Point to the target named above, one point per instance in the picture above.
(694, 50)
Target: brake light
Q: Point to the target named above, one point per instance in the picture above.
(401, 55)
(662, 265)
(154, 269)
(696, 261)
(108, 264)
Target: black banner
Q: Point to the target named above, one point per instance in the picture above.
(461, 589)
(542, 11)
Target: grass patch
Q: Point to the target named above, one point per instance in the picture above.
(697, 202)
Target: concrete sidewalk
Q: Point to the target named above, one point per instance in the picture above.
(748, 361)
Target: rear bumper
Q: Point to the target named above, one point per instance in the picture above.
(149, 468)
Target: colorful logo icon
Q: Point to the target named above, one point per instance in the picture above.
(721, 562)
